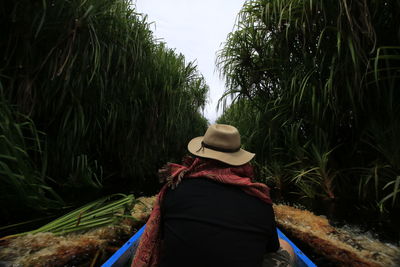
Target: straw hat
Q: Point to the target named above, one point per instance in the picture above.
(220, 142)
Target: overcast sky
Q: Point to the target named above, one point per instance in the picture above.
(195, 28)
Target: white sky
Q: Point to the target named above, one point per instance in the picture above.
(197, 29)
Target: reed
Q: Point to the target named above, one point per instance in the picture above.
(318, 82)
(113, 103)
(23, 184)
(101, 212)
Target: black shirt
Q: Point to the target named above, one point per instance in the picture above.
(206, 223)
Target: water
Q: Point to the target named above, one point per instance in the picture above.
(373, 235)
(362, 219)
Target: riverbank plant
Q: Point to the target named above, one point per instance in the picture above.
(98, 213)
(315, 84)
(107, 103)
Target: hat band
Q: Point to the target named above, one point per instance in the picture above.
(218, 148)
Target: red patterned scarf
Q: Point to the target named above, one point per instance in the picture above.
(148, 251)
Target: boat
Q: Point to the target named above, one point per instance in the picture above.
(124, 255)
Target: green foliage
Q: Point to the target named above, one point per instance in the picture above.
(101, 212)
(316, 87)
(22, 183)
(113, 103)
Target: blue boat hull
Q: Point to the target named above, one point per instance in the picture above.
(126, 252)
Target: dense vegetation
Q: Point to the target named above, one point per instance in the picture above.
(91, 104)
(316, 89)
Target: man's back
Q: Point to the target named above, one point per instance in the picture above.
(206, 223)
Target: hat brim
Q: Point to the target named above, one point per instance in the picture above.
(235, 158)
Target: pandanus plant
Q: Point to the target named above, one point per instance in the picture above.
(322, 78)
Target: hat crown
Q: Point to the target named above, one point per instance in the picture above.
(220, 142)
(222, 136)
